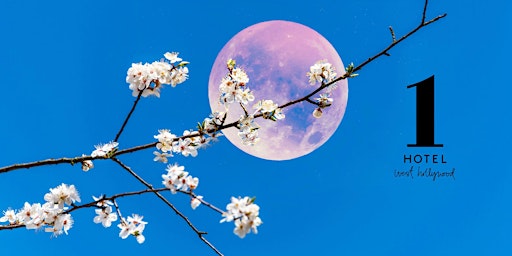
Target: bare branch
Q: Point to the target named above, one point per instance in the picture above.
(10, 227)
(424, 15)
(128, 116)
(393, 37)
(211, 206)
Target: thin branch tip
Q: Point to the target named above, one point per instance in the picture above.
(424, 15)
(393, 37)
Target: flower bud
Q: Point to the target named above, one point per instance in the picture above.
(317, 113)
(231, 64)
(87, 165)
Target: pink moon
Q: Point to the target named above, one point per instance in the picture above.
(276, 56)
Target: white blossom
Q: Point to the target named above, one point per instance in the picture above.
(165, 140)
(186, 147)
(9, 216)
(269, 110)
(195, 202)
(62, 194)
(102, 202)
(29, 212)
(244, 96)
(324, 100)
(322, 71)
(161, 157)
(105, 216)
(103, 150)
(126, 229)
(172, 57)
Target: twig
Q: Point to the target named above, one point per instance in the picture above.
(118, 212)
(128, 116)
(185, 218)
(10, 227)
(51, 161)
(211, 206)
(114, 197)
(137, 148)
(393, 37)
(425, 12)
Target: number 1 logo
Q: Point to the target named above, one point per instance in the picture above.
(424, 113)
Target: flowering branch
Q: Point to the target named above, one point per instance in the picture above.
(235, 123)
(145, 80)
(94, 203)
(351, 71)
(157, 193)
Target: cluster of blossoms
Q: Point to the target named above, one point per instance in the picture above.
(149, 78)
(51, 215)
(233, 87)
(323, 72)
(190, 141)
(134, 226)
(245, 213)
(178, 179)
(248, 129)
(169, 143)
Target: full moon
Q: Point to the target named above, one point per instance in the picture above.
(276, 55)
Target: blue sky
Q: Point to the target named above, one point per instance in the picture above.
(63, 68)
